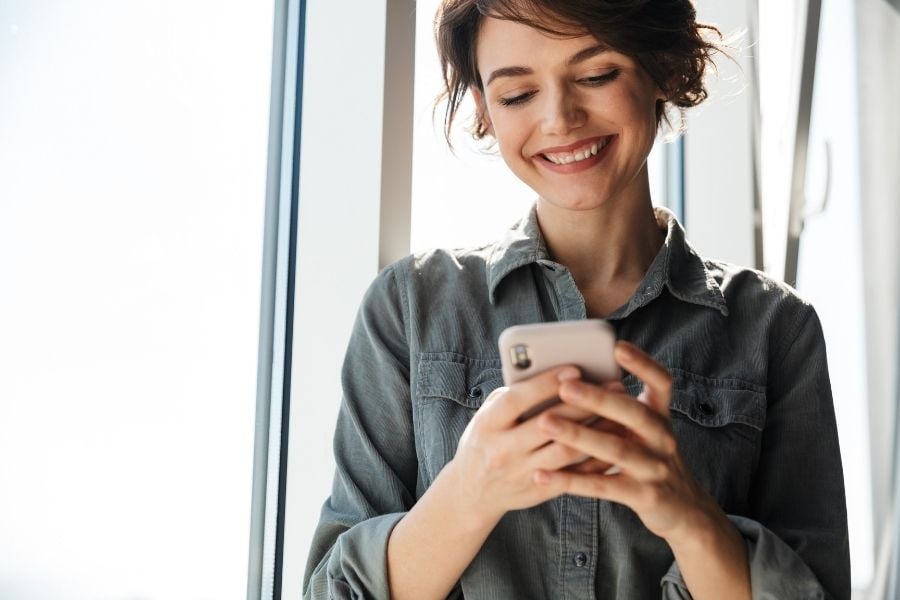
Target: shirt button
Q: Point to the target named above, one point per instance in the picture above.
(475, 392)
(707, 409)
(580, 559)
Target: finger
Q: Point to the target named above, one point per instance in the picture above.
(652, 428)
(504, 410)
(655, 376)
(591, 465)
(613, 386)
(528, 443)
(526, 437)
(569, 411)
(615, 488)
(632, 456)
(553, 456)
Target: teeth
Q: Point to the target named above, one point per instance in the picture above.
(568, 158)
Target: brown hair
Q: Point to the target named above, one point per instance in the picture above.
(663, 36)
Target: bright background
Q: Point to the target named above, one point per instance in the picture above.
(132, 179)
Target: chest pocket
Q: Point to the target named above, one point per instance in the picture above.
(719, 424)
(450, 387)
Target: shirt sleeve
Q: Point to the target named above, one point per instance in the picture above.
(796, 534)
(375, 462)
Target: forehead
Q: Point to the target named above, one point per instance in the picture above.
(502, 42)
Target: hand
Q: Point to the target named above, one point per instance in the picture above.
(497, 455)
(654, 481)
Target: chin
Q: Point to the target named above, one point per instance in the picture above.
(577, 203)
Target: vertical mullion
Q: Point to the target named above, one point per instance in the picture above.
(290, 297)
(756, 134)
(801, 138)
(277, 304)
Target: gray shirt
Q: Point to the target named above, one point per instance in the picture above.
(751, 410)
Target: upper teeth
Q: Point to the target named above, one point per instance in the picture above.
(564, 158)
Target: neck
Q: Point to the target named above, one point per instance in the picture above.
(611, 245)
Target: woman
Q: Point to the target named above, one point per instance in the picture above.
(729, 480)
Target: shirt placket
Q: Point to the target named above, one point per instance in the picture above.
(578, 515)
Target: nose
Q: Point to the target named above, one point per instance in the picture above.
(562, 112)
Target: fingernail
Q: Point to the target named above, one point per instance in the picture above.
(568, 374)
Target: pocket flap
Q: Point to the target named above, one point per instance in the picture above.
(466, 381)
(718, 402)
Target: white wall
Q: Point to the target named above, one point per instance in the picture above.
(877, 25)
(718, 177)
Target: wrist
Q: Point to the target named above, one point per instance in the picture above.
(712, 556)
(476, 514)
(704, 530)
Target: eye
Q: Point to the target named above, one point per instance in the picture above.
(599, 80)
(521, 98)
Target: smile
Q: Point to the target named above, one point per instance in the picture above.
(576, 157)
(583, 153)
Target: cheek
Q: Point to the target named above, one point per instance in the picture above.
(642, 115)
(511, 140)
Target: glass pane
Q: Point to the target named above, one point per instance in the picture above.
(132, 183)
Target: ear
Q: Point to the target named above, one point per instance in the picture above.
(481, 110)
(664, 92)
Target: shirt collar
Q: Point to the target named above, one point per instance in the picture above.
(676, 266)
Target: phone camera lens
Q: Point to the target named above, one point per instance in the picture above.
(520, 356)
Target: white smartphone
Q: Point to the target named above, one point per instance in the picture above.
(527, 350)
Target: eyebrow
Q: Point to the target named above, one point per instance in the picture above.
(576, 58)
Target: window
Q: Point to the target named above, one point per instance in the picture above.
(132, 182)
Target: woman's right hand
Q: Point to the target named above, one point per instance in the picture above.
(497, 455)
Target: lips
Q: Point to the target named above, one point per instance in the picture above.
(575, 157)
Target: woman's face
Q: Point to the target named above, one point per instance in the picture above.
(573, 120)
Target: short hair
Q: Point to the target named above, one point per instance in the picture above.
(663, 36)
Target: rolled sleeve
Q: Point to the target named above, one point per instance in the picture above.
(356, 564)
(375, 462)
(776, 571)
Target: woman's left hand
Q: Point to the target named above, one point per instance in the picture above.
(654, 480)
